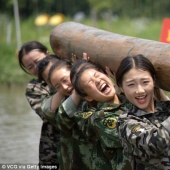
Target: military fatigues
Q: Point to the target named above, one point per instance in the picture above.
(49, 138)
(99, 124)
(146, 137)
(65, 146)
(80, 147)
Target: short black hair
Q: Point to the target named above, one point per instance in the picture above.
(42, 65)
(78, 68)
(56, 65)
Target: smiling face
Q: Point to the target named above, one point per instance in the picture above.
(60, 79)
(138, 86)
(97, 86)
(31, 59)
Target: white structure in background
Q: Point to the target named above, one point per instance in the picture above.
(79, 16)
(17, 23)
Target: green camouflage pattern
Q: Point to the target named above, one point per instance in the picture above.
(79, 145)
(65, 146)
(65, 150)
(99, 125)
(146, 137)
(49, 139)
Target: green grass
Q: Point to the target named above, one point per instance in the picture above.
(10, 71)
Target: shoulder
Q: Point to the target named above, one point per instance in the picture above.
(163, 105)
(36, 87)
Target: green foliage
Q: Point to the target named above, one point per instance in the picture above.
(9, 68)
(130, 8)
(10, 71)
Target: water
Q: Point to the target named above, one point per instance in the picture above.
(20, 128)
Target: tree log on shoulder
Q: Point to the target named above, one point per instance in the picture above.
(108, 49)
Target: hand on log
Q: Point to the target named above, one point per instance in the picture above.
(108, 49)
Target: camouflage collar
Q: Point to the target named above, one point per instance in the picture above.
(159, 107)
(103, 105)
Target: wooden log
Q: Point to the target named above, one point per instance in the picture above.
(108, 49)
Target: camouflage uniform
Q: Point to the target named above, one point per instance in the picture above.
(49, 138)
(146, 137)
(99, 124)
(79, 145)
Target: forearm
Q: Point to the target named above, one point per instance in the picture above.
(56, 101)
(71, 104)
(50, 105)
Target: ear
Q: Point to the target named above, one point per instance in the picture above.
(89, 99)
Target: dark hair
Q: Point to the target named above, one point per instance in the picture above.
(26, 48)
(78, 68)
(59, 64)
(42, 65)
(139, 62)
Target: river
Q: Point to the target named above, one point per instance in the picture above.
(20, 128)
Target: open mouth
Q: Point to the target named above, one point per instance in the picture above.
(70, 91)
(104, 88)
(141, 99)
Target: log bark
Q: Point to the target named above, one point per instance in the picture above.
(108, 49)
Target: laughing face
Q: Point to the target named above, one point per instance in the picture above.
(97, 86)
(60, 80)
(138, 86)
(31, 60)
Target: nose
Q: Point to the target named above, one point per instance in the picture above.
(96, 80)
(140, 89)
(65, 86)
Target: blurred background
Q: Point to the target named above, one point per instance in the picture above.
(22, 21)
(25, 20)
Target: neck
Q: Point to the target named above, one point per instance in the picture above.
(115, 100)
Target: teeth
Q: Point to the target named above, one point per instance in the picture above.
(103, 86)
(140, 97)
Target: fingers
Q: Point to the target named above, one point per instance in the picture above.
(85, 56)
(74, 58)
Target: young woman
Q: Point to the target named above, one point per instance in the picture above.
(144, 128)
(70, 135)
(29, 55)
(98, 116)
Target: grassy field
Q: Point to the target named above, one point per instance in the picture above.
(10, 72)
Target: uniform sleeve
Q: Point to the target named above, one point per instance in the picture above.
(46, 108)
(142, 138)
(69, 107)
(64, 116)
(46, 111)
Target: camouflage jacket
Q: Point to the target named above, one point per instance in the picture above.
(99, 124)
(36, 92)
(79, 147)
(146, 137)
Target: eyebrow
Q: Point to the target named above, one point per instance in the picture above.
(147, 78)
